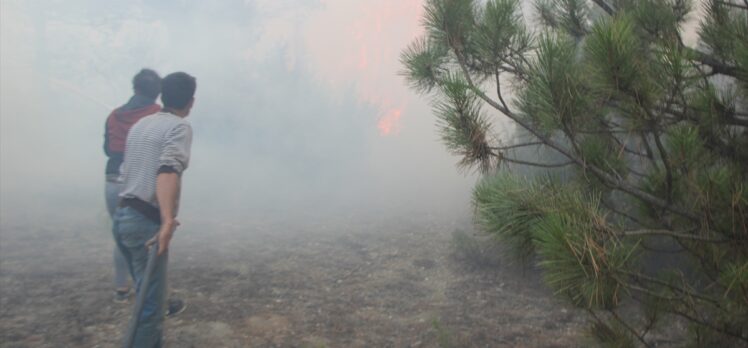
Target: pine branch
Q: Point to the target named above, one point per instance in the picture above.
(652, 293)
(685, 292)
(713, 141)
(668, 166)
(612, 131)
(534, 164)
(731, 4)
(673, 309)
(716, 144)
(631, 151)
(648, 149)
(508, 147)
(707, 265)
(610, 179)
(708, 324)
(734, 121)
(624, 148)
(669, 233)
(626, 215)
(498, 90)
(604, 5)
(629, 328)
(520, 71)
(637, 173)
(717, 66)
(658, 250)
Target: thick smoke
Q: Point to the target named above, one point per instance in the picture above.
(285, 117)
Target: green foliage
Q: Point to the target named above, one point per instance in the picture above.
(508, 207)
(554, 96)
(423, 63)
(671, 70)
(560, 226)
(658, 19)
(686, 148)
(719, 191)
(571, 16)
(598, 150)
(616, 60)
(579, 263)
(722, 194)
(715, 108)
(741, 51)
(500, 35)
(655, 134)
(450, 23)
(714, 105)
(734, 279)
(547, 14)
(464, 129)
(580, 253)
(724, 30)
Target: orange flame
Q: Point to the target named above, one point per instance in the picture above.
(368, 36)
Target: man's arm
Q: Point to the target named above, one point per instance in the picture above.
(174, 160)
(167, 194)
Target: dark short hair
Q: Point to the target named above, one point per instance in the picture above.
(147, 83)
(177, 90)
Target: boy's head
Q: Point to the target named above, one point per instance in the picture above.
(147, 83)
(178, 91)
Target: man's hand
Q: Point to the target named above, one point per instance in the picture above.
(163, 236)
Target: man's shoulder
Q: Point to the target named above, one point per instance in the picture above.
(159, 117)
(175, 121)
(162, 121)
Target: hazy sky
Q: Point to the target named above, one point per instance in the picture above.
(297, 101)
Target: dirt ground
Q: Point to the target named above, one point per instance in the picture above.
(266, 282)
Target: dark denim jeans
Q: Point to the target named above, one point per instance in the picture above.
(131, 231)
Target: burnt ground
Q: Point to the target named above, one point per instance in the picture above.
(266, 282)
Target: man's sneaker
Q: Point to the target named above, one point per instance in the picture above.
(174, 306)
(121, 296)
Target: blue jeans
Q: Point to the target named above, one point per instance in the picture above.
(121, 272)
(131, 231)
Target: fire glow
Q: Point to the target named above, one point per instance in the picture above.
(368, 36)
(389, 123)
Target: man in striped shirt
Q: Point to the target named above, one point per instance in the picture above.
(157, 152)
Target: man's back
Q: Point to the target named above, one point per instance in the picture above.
(156, 141)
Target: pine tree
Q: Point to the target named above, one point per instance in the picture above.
(637, 211)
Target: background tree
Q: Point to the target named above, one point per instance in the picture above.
(645, 193)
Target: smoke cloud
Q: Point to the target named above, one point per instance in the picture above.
(299, 104)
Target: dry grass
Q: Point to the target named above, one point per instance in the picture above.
(348, 282)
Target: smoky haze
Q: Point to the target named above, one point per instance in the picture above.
(299, 105)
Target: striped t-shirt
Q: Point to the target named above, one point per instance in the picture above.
(156, 141)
